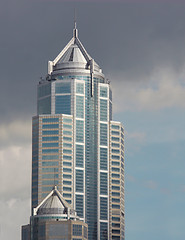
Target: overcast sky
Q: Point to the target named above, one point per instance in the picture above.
(141, 48)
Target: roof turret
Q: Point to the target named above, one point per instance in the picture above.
(55, 205)
(73, 58)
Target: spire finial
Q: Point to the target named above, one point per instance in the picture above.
(75, 31)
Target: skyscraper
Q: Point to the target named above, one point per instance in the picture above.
(76, 145)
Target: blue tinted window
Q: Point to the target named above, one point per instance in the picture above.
(52, 132)
(68, 189)
(67, 182)
(115, 127)
(115, 163)
(117, 157)
(116, 219)
(79, 155)
(79, 205)
(67, 120)
(50, 176)
(50, 139)
(67, 195)
(67, 151)
(116, 181)
(115, 206)
(54, 144)
(44, 90)
(103, 208)
(116, 200)
(49, 157)
(67, 164)
(114, 175)
(80, 88)
(79, 181)
(117, 194)
(51, 163)
(67, 126)
(115, 133)
(67, 139)
(67, 176)
(48, 120)
(79, 106)
(77, 230)
(50, 182)
(115, 139)
(67, 132)
(44, 106)
(79, 131)
(115, 188)
(63, 104)
(103, 158)
(103, 91)
(115, 151)
(66, 157)
(46, 126)
(68, 145)
(49, 170)
(62, 87)
(115, 169)
(50, 150)
(103, 231)
(115, 145)
(103, 110)
(67, 170)
(103, 134)
(103, 183)
(47, 189)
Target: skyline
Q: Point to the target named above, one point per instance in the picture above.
(148, 38)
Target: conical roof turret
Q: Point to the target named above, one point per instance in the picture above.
(73, 58)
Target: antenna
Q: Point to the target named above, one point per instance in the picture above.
(75, 31)
(74, 18)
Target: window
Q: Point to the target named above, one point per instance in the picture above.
(103, 91)
(49, 157)
(103, 208)
(67, 139)
(47, 126)
(80, 88)
(44, 164)
(50, 132)
(103, 183)
(79, 131)
(46, 145)
(50, 139)
(79, 155)
(103, 158)
(62, 87)
(79, 181)
(48, 120)
(79, 107)
(115, 127)
(103, 110)
(79, 205)
(63, 104)
(103, 231)
(77, 230)
(103, 134)
(67, 132)
(52, 150)
(67, 126)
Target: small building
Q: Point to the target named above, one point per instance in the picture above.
(54, 219)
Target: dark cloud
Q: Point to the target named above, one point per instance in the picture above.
(133, 38)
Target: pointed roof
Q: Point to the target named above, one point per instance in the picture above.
(54, 204)
(73, 57)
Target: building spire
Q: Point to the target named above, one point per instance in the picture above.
(75, 30)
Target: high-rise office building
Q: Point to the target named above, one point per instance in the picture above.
(76, 145)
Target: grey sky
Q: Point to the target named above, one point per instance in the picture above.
(133, 39)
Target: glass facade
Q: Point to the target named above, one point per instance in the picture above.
(78, 147)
